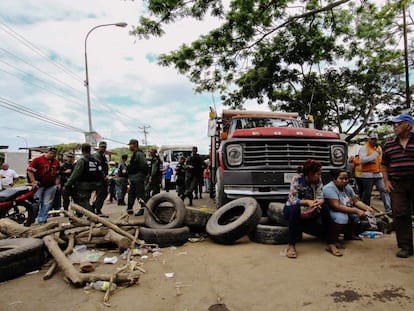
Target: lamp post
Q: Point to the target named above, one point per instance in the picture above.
(122, 24)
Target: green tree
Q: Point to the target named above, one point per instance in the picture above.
(341, 61)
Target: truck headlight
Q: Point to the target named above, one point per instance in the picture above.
(338, 155)
(234, 154)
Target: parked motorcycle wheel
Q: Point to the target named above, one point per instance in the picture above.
(23, 213)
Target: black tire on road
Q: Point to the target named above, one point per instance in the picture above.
(267, 234)
(234, 220)
(158, 201)
(164, 237)
(19, 256)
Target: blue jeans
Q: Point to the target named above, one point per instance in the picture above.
(292, 214)
(367, 184)
(46, 197)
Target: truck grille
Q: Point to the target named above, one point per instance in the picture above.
(285, 154)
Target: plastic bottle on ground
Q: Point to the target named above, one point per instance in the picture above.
(101, 285)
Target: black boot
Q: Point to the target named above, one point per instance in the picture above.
(190, 197)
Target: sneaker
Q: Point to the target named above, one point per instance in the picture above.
(405, 253)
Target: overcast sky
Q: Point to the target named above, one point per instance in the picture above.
(42, 66)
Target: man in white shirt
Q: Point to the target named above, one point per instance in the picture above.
(7, 176)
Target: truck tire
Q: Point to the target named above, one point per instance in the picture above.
(267, 234)
(234, 220)
(19, 256)
(221, 198)
(197, 218)
(164, 237)
(157, 202)
(275, 214)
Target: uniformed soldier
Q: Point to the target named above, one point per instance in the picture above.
(155, 175)
(87, 177)
(102, 192)
(192, 174)
(137, 173)
(180, 177)
(122, 180)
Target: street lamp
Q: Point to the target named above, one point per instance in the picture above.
(122, 24)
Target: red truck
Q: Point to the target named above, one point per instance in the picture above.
(256, 153)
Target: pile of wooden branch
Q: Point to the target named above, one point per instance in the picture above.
(90, 230)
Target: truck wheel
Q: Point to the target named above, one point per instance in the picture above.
(267, 234)
(19, 256)
(221, 198)
(159, 202)
(234, 220)
(164, 237)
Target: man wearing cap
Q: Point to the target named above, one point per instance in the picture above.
(65, 170)
(43, 174)
(137, 173)
(86, 178)
(102, 192)
(398, 169)
(370, 157)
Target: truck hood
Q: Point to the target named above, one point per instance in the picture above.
(294, 132)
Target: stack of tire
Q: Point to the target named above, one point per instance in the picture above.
(169, 223)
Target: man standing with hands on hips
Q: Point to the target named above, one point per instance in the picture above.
(370, 157)
(398, 169)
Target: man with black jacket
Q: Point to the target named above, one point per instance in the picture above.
(87, 177)
(102, 192)
(137, 173)
(155, 175)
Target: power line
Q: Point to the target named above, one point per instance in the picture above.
(37, 50)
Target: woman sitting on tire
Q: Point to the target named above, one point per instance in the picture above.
(306, 204)
(345, 207)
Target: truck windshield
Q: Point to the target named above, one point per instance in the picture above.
(248, 123)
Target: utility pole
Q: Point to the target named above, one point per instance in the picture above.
(407, 75)
(144, 129)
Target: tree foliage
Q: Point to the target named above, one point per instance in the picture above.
(341, 61)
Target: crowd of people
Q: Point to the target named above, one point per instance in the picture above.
(92, 179)
(336, 206)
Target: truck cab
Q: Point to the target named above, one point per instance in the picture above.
(256, 153)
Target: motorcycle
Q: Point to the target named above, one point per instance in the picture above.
(19, 204)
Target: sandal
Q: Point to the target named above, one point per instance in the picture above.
(333, 250)
(291, 252)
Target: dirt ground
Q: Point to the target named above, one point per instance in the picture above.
(244, 276)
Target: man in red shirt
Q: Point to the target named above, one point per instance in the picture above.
(43, 174)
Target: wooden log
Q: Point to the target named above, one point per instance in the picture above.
(79, 278)
(12, 229)
(68, 250)
(62, 261)
(94, 240)
(121, 241)
(105, 222)
(102, 231)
